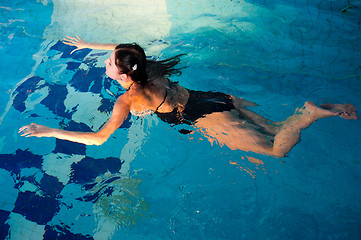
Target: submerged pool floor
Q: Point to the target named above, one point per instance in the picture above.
(148, 181)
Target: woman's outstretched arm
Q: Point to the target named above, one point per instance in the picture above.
(120, 113)
(81, 44)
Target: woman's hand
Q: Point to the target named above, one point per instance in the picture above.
(35, 130)
(77, 42)
(81, 44)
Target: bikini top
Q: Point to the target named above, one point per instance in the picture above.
(150, 111)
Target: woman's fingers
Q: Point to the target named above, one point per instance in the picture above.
(79, 38)
(69, 42)
(71, 38)
(24, 128)
(28, 130)
(21, 129)
(24, 131)
(74, 41)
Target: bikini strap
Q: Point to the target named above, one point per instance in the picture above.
(165, 97)
(128, 88)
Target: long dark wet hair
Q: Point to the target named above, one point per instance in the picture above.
(130, 59)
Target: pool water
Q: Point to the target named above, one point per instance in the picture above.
(148, 181)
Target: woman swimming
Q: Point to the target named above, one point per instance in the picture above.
(217, 115)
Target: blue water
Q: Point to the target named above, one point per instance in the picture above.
(148, 181)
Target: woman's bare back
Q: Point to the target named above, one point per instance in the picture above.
(161, 95)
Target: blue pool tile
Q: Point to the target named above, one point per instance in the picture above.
(55, 100)
(50, 185)
(22, 92)
(61, 233)
(108, 83)
(67, 147)
(89, 168)
(35, 208)
(8, 191)
(21, 159)
(88, 80)
(106, 105)
(80, 81)
(4, 227)
(97, 84)
(72, 65)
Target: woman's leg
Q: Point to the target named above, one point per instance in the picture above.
(228, 129)
(268, 126)
(289, 131)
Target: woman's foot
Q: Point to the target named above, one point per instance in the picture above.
(346, 111)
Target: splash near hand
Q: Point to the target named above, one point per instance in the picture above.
(77, 42)
(35, 130)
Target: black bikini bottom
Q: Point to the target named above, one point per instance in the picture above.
(199, 104)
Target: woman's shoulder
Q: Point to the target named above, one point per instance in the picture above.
(140, 95)
(124, 99)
